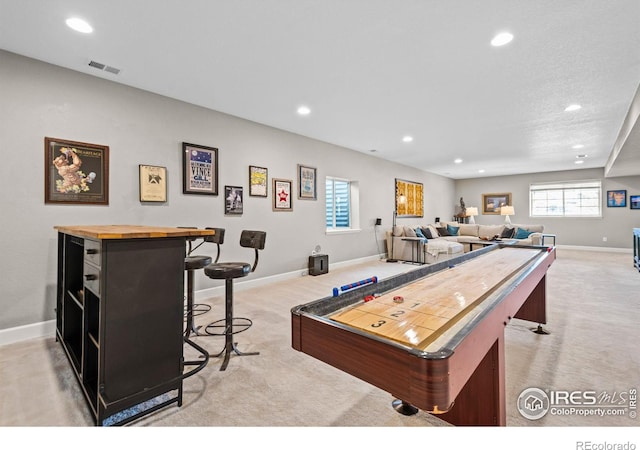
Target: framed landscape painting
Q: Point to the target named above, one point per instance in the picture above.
(491, 203)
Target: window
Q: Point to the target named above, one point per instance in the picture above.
(566, 199)
(341, 204)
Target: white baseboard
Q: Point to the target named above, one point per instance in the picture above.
(48, 328)
(32, 331)
(596, 249)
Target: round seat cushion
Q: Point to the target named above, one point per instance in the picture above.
(226, 270)
(196, 262)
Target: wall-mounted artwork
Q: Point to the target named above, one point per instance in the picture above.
(282, 200)
(634, 201)
(199, 169)
(153, 183)
(617, 199)
(491, 203)
(409, 198)
(233, 201)
(75, 172)
(307, 183)
(258, 181)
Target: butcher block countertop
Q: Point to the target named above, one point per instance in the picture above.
(130, 231)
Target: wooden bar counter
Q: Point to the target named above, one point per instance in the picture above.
(120, 315)
(434, 337)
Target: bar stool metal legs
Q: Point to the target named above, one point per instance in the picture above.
(229, 326)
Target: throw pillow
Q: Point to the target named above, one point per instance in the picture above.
(427, 232)
(442, 231)
(453, 231)
(420, 234)
(522, 233)
(408, 232)
(434, 232)
(507, 233)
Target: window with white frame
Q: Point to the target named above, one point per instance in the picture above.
(341, 204)
(566, 199)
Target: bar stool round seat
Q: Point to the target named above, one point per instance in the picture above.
(228, 271)
(224, 270)
(197, 262)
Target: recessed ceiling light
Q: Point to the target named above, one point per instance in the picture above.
(481, 171)
(501, 39)
(580, 161)
(407, 139)
(578, 146)
(79, 25)
(573, 108)
(304, 110)
(457, 160)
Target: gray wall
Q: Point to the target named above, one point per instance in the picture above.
(615, 223)
(38, 100)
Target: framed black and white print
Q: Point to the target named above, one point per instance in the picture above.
(307, 183)
(258, 177)
(233, 200)
(199, 169)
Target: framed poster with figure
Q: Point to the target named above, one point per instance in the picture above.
(153, 183)
(282, 200)
(199, 169)
(75, 172)
(617, 199)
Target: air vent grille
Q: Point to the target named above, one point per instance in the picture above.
(100, 66)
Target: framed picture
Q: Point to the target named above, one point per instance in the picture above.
(409, 198)
(258, 180)
(153, 183)
(491, 203)
(307, 183)
(634, 201)
(75, 172)
(282, 200)
(617, 199)
(233, 200)
(199, 169)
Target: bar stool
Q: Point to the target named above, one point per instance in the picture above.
(193, 263)
(228, 271)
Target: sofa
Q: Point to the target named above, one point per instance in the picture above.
(438, 242)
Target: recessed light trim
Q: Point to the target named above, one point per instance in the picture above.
(407, 139)
(304, 110)
(80, 25)
(573, 107)
(501, 39)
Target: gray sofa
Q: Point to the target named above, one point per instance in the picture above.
(436, 247)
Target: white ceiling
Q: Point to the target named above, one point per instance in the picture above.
(373, 71)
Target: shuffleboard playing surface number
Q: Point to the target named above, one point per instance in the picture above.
(434, 304)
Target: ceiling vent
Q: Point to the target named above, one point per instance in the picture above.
(104, 67)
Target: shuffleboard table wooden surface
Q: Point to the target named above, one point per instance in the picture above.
(433, 337)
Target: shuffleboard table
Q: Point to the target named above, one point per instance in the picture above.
(433, 337)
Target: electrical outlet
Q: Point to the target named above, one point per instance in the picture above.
(604, 239)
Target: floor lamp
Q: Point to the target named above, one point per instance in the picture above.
(401, 199)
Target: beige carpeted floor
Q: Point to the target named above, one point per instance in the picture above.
(593, 315)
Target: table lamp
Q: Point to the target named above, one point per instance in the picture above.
(507, 211)
(472, 211)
